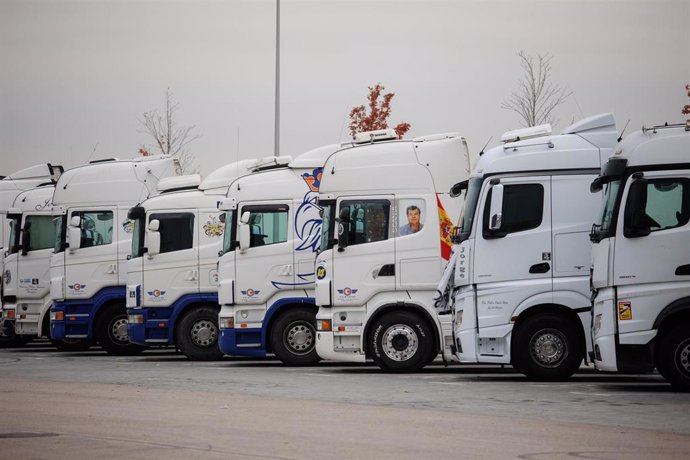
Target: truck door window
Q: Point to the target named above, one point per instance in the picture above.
(327, 211)
(523, 207)
(268, 224)
(369, 220)
(41, 230)
(59, 230)
(15, 223)
(96, 227)
(668, 203)
(229, 231)
(176, 230)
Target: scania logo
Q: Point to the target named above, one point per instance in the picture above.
(156, 293)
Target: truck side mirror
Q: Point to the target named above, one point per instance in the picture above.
(636, 221)
(496, 207)
(243, 231)
(153, 243)
(343, 228)
(74, 233)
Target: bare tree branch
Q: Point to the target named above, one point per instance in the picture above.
(537, 96)
(170, 139)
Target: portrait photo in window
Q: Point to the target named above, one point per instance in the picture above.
(411, 215)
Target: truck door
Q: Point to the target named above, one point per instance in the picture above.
(367, 265)
(10, 278)
(654, 252)
(519, 252)
(93, 265)
(38, 240)
(211, 228)
(267, 265)
(175, 270)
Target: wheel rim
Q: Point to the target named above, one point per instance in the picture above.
(204, 333)
(118, 330)
(682, 357)
(299, 338)
(7, 332)
(548, 347)
(400, 342)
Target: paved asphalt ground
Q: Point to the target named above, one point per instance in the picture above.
(160, 405)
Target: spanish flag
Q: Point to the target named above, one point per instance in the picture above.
(446, 228)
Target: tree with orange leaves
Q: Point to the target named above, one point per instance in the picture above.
(686, 109)
(379, 111)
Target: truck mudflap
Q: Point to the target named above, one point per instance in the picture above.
(74, 319)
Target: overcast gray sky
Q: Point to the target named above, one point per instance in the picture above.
(75, 75)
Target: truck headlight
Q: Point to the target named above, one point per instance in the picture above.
(57, 316)
(135, 319)
(227, 323)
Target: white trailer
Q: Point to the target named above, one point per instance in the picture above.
(641, 256)
(172, 278)
(518, 284)
(88, 268)
(266, 288)
(387, 223)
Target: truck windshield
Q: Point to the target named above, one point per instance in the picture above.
(326, 223)
(228, 232)
(138, 237)
(469, 209)
(604, 227)
(15, 224)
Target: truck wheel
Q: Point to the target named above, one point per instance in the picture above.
(71, 344)
(674, 357)
(401, 342)
(197, 334)
(547, 347)
(293, 337)
(111, 332)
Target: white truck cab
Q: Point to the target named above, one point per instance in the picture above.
(88, 268)
(518, 282)
(387, 224)
(27, 264)
(641, 256)
(10, 232)
(272, 234)
(172, 276)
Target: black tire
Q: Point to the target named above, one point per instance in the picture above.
(71, 344)
(111, 332)
(547, 347)
(10, 339)
(401, 341)
(673, 358)
(197, 334)
(293, 337)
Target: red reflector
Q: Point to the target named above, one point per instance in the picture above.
(161, 324)
(341, 328)
(72, 318)
(243, 325)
